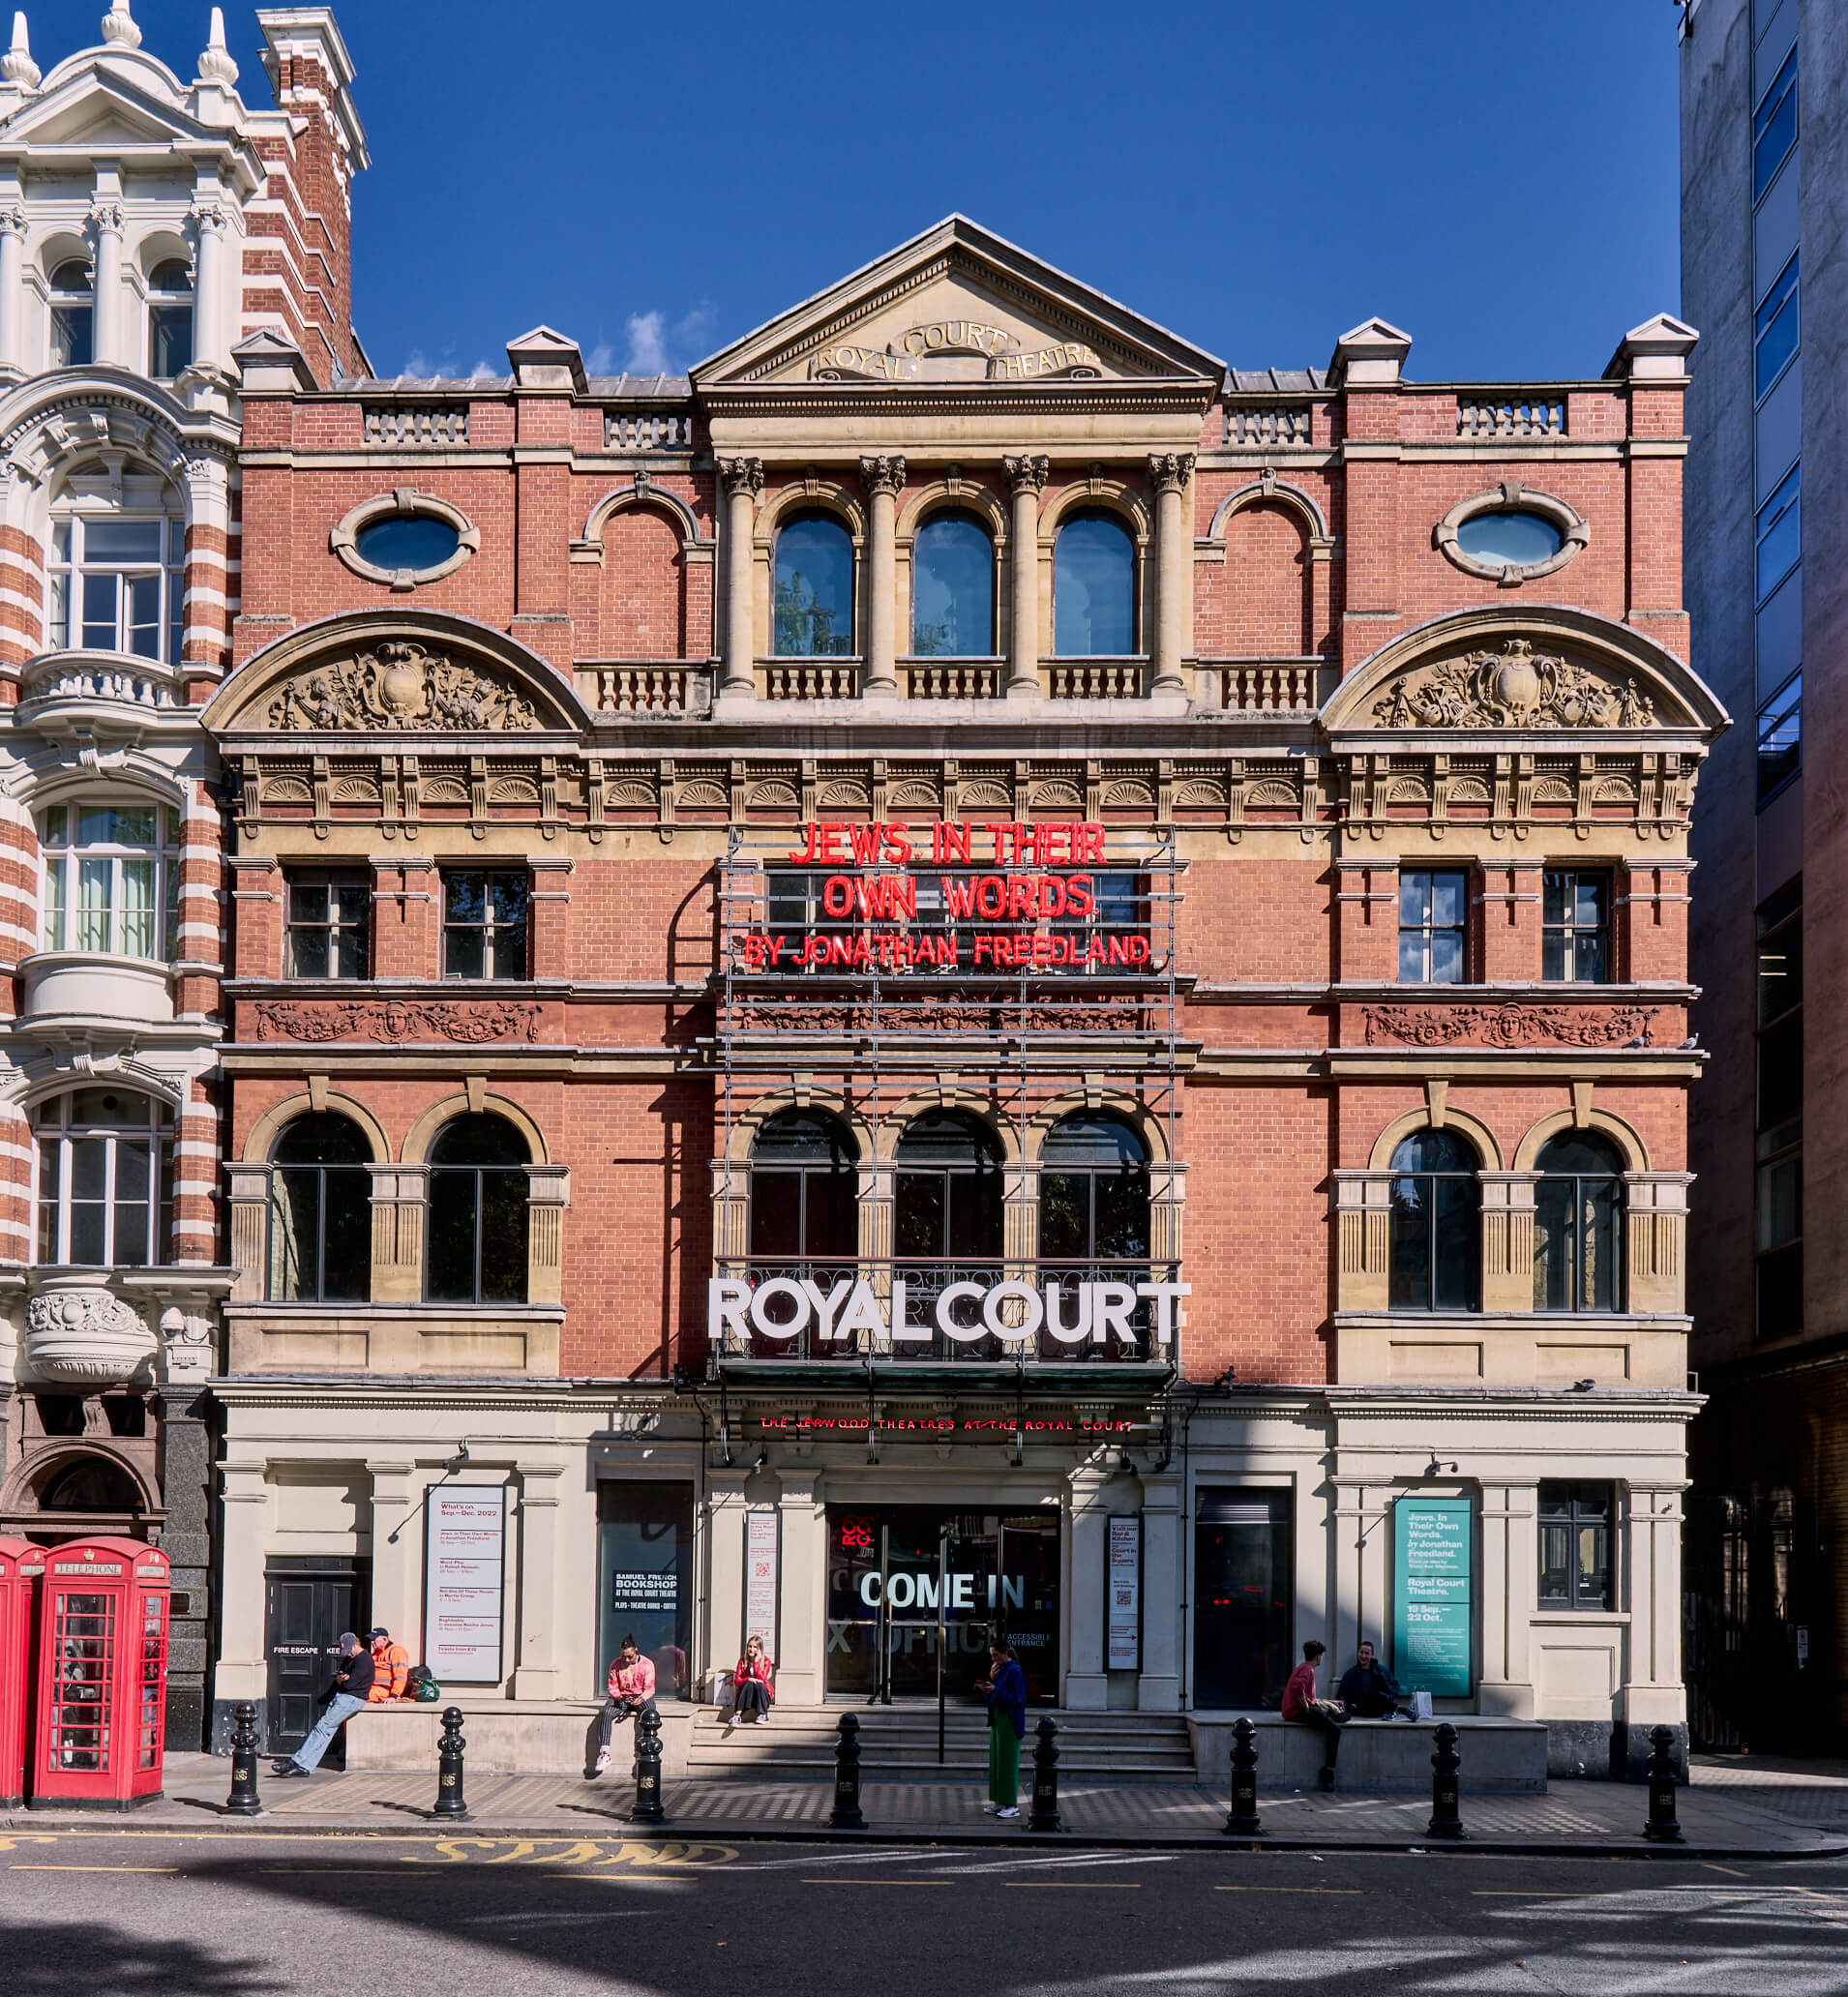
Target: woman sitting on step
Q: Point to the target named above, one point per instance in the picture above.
(753, 1685)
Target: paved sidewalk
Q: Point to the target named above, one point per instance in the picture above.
(1743, 1808)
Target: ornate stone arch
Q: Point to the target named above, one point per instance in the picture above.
(1630, 1147)
(49, 1075)
(1270, 490)
(276, 1119)
(30, 1477)
(810, 494)
(645, 492)
(1544, 670)
(423, 1133)
(746, 1124)
(953, 495)
(393, 672)
(1096, 491)
(945, 1097)
(1478, 1133)
(44, 778)
(1117, 1103)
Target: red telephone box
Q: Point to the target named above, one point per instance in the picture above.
(22, 1564)
(100, 1710)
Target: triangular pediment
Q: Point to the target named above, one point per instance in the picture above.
(957, 305)
(96, 111)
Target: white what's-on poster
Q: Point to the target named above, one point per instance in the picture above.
(1122, 1596)
(760, 1578)
(464, 1559)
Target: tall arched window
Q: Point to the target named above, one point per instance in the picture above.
(476, 1239)
(814, 588)
(111, 879)
(72, 315)
(804, 1196)
(1093, 588)
(1093, 1192)
(1437, 1224)
(320, 1212)
(1578, 1225)
(169, 319)
(953, 589)
(106, 1179)
(946, 1219)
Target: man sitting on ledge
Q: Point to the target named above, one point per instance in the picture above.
(1370, 1690)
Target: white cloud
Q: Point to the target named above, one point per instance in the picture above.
(601, 359)
(484, 369)
(647, 343)
(418, 363)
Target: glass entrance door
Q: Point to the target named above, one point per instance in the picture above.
(901, 1575)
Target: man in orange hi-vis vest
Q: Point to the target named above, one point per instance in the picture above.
(391, 1665)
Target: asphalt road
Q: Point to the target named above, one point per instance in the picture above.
(218, 1913)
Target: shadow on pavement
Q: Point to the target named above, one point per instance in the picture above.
(57, 1958)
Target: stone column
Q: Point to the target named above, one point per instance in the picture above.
(397, 1567)
(397, 1233)
(1171, 474)
(186, 1477)
(548, 1195)
(1509, 1594)
(1087, 1683)
(106, 341)
(726, 1510)
(210, 349)
(1025, 481)
(882, 478)
(243, 1665)
(536, 1667)
(1163, 1571)
(13, 239)
(743, 480)
(249, 1197)
(803, 1666)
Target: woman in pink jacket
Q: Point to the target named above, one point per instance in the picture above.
(753, 1685)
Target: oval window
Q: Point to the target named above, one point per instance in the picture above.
(1520, 539)
(411, 541)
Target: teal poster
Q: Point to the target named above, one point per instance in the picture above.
(1433, 1595)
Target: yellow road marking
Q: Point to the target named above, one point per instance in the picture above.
(1728, 1869)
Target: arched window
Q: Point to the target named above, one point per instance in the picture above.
(946, 1218)
(72, 315)
(115, 583)
(804, 1195)
(814, 588)
(1093, 1192)
(169, 319)
(953, 589)
(320, 1212)
(1093, 588)
(92, 1485)
(111, 879)
(106, 1179)
(1578, 1225)
(1437, 1224)
(476, 1245)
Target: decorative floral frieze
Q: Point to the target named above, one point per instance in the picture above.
(1509, 1024)
(1516, 687)
(974, 1016)
(399, 686)
(395, 1020)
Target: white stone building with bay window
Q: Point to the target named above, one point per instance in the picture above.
(150, 220)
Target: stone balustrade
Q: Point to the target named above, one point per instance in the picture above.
(1512, 415)
(808, 679)
(646, 430)
(432, 425)
(1269, 424)
(954, 679)
(650, 687)
(1272, 687)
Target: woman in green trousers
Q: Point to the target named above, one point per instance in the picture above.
(1006, 1690)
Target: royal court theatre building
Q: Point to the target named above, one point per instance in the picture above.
(962, 974)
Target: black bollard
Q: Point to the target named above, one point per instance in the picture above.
(846, 1777)
(649, 1810)
(243, 1801)
(1662, 1826)
(1447, 1820)
(450, 1802)
(1045, 1815)
(1241, 1820)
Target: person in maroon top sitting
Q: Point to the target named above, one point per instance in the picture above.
(1300, 1705)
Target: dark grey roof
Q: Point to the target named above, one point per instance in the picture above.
(426, 384)
(1276, 380)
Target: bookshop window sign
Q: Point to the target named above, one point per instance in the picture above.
(646, 1579)
(1434, 1595)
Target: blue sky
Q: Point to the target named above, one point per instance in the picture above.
(1497, 178)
